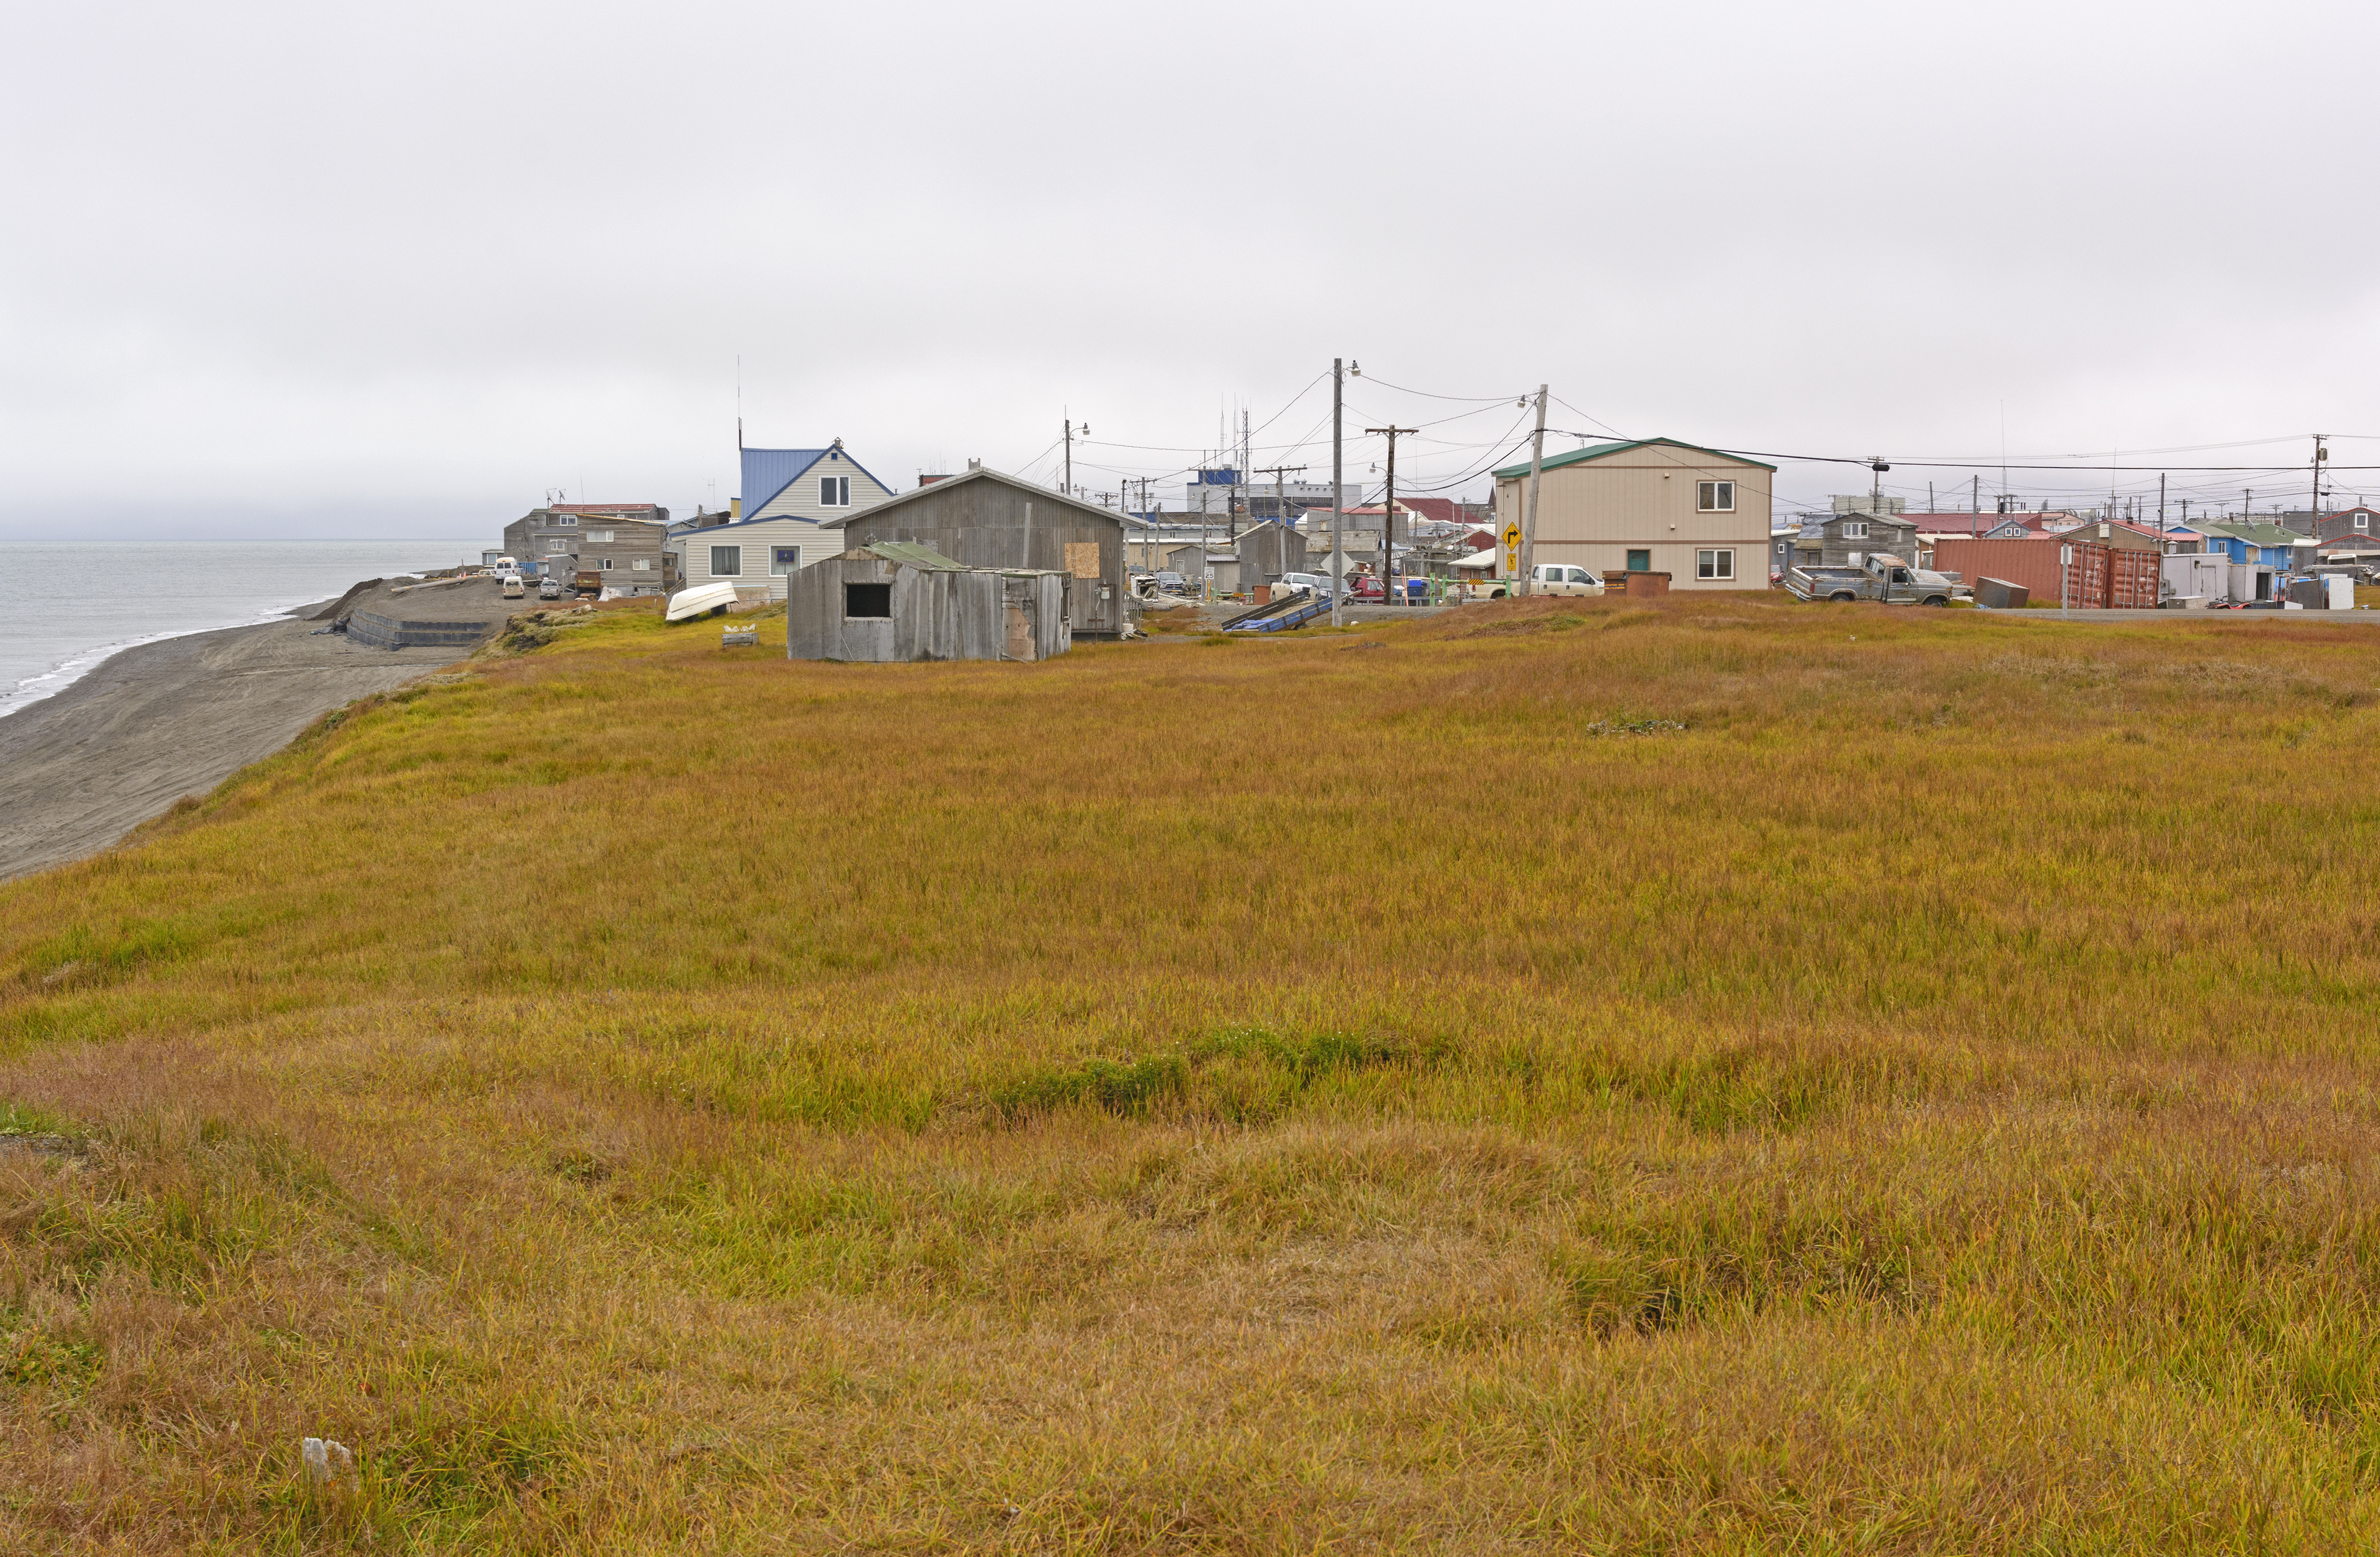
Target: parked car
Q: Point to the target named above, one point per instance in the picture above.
(1170, 581)
(1367, 586)
(510, 583)
(1312, 583)
(1882, 577)
(549, 589)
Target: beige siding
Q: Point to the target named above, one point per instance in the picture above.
(800, 500)
(757, 542)
(1593, 514)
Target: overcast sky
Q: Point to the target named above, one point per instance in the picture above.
(383, 270)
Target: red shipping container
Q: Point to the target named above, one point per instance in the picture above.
(2104, 579)
(2032, 563)
(2100, 577)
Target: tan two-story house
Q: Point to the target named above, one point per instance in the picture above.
(1650, 505)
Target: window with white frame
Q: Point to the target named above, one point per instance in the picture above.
(2363, 521)
(1715, 497)
(785, 559)
(599, 537)
(640, 565)
(727, 562)
(565, 518)
(1715, 564)
(606, 564)
(555, 545)
(834, 492)
(1855, 529)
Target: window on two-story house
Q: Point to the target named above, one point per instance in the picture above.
(2363, 521)
(565, 518)
(555, 545)
(606, 564)
(1715, 564)
(1715, 497)
(1855, 529)
(727, 562)
(785, 559)
(834, 492)
(640, 565)
(599, 537)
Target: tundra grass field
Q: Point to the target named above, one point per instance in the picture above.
(1709, 1077)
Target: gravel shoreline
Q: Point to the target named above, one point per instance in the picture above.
(162, 720)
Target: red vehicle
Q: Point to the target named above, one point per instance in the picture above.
(1364, 586)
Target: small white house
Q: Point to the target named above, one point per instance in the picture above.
(788, 493)
(752, 554)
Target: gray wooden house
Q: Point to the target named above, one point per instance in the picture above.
(1846, 540)
(984, 519)
(896, 601)
(1267, 551)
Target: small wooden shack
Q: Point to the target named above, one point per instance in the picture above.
(1267, 551)
(984, 519)
(897, 601)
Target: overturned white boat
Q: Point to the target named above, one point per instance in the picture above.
(696, 602)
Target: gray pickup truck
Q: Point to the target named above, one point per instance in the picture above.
(1881, 577)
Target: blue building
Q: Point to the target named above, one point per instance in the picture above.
(2257, 542)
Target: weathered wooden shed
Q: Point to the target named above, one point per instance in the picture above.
(1267, 551)
(897, 601)
(985, 519)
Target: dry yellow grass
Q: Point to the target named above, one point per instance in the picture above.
(1389, 1090)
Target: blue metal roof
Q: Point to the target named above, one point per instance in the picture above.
(770, 471)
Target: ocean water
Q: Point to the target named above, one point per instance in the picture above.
(66, 606)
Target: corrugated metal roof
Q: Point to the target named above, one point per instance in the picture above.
(768, 472)
(2256, 534)
(915, 553)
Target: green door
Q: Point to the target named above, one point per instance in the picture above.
(1640, 562)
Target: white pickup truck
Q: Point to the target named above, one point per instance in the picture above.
(1545, 578)
(1881, 577)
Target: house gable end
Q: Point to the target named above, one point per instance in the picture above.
(784, 477)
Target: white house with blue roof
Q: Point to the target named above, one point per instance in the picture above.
(787, 493)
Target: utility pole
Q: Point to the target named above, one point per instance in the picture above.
(2160, 503)
(1280, 498)
(1067, 425)
(1977, 502)
(2313, 514)
(1338, 495)
(1522, 586)
(1389, 519)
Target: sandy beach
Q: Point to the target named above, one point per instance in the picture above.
(160, 721)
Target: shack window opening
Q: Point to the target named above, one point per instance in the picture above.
(867, 599)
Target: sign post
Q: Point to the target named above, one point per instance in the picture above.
(1511, 550)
